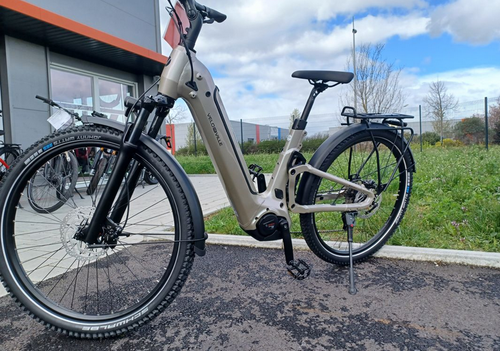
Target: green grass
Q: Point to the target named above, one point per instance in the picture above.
(455, 202)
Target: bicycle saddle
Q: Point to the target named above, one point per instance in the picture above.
(325, 76)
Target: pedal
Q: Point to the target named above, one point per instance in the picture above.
(299, 269)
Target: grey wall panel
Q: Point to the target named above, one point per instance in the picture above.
(27, 76)
(249, 131)
(130, 20)
(181, 133)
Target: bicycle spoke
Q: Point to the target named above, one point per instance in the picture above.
(38, 231)
(48, 258)
(147, 208)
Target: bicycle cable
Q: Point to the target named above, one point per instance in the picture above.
(178, 25)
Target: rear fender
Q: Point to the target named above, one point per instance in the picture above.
(329, 144)
(179, 174)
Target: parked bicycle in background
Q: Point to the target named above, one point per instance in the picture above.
(8, 153)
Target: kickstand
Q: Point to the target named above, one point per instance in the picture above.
(298, 269)
(81, 197)
(350, 221)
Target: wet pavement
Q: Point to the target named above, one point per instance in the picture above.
(240, 298)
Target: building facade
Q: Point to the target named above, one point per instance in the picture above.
(86, 55)
(243, 132)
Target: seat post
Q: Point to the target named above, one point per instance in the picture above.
(300, 123)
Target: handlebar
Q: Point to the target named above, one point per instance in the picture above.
(55, 104)
(197, 15)
(210, 13)
(47, 101)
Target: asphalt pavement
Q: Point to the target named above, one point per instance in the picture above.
(239, 298)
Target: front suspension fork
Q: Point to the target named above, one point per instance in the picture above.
(127, 149)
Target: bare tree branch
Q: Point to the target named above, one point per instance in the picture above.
(378, 87)
(440, 103)
(176, 114)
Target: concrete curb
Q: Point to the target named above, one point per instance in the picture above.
(472, 258)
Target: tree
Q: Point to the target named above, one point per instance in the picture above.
(494, 121)
(440, 104)
(295, 114)
(377, 87)
(470, 130)
(193, 142)
(176, 114)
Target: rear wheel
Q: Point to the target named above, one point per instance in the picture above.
(137, 267)
(355, 159)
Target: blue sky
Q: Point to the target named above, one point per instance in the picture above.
(254, 52)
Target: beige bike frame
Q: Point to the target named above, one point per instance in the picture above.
(211, 120)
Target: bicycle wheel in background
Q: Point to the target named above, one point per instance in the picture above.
(53, 184)
(7, 157)
(150, 178)
(355, 159)
(137, 267)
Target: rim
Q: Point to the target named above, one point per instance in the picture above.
(358, 162)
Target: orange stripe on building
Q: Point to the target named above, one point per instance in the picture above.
(76, 27)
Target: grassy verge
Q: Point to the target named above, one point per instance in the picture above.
(455, 201)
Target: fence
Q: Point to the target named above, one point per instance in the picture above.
(256, 130)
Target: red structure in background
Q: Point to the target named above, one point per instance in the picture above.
(170, 129)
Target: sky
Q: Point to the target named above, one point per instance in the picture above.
(254, 52)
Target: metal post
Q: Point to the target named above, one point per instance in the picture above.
(194, 135)
(354, 31)
(241, 131)
(486, 120)
(420, 118)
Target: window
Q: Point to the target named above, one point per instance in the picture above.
(85, 92)
(112, 97)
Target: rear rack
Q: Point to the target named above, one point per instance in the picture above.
(392, 121)
(390, 118)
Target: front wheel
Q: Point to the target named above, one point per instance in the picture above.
(133, 272)
(377, 163)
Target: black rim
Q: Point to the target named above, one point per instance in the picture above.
(389, 209)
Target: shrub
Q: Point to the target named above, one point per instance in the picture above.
(270, 146)
(449, 143)
(470, 130)
(431, 138)
(189, 150)
(313, 143)
(249, 147)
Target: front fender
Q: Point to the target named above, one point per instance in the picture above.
(179, 174)
(328, 145)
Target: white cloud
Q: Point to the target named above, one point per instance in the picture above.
(467, 84)
(261, 43)
(470, 21)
